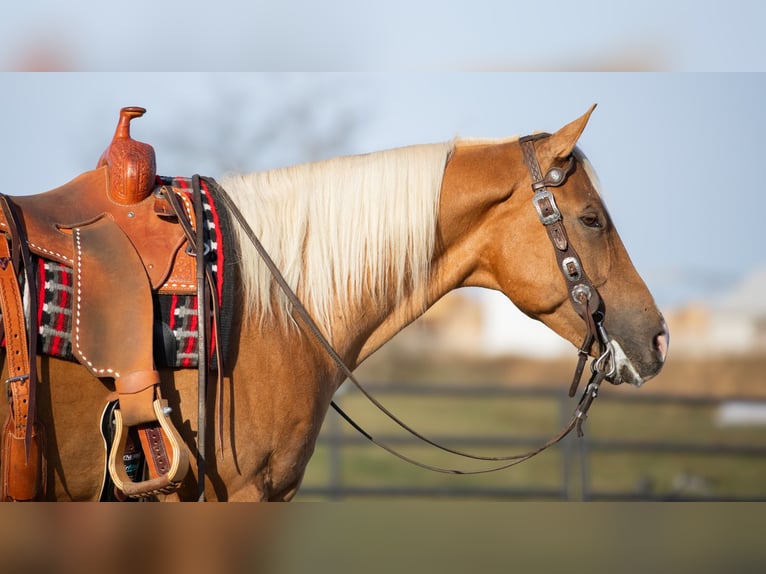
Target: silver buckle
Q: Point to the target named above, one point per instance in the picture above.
(572, 269)
(13, 380)
(545, 202)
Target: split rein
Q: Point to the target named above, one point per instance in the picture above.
(582, 294)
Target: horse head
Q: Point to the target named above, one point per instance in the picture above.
(487, 209)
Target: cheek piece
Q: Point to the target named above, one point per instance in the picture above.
(583, 295)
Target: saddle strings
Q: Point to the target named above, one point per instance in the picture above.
(577, 418)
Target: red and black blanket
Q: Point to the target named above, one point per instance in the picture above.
(175, 326)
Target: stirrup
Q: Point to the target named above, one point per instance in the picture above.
(163, 484)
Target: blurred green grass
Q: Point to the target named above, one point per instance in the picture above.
(577, 468)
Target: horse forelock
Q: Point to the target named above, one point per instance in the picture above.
(339, 229)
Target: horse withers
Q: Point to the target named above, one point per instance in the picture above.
(368, 243)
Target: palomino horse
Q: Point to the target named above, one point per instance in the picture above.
(368, 243)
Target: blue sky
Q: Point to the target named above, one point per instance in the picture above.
(414, 35)
(679, 154)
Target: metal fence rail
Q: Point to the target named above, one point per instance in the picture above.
(576, 454)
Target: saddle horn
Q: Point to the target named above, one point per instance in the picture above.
(131, 164)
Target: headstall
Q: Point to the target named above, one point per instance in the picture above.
(582, 294)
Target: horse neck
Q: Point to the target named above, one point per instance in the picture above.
(373, 319)
(478, 176)
(463, 203)
(374, 330)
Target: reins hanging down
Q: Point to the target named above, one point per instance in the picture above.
(205, 309)
(583, 296)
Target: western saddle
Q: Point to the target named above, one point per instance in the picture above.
(119, 232)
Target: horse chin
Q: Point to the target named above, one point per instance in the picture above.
(625, 371)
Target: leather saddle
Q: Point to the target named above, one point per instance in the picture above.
(142, 213)
(122, 234)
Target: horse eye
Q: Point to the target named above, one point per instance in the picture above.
(591, 220)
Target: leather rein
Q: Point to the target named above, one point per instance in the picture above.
(583, 296)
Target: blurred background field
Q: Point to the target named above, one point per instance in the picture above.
(696, 432)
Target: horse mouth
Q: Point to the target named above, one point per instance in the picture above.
(624, 369)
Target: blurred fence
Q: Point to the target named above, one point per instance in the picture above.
(636, 447)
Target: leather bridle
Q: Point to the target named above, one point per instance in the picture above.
(583, 296)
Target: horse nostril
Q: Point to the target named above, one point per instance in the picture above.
(662, 341)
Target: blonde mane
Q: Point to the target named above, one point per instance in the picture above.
(340, 228)
(476, 141)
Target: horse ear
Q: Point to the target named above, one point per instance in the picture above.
(561, 144)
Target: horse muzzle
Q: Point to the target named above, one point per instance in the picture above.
(638, 372)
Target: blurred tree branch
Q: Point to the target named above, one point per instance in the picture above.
(259, 122)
